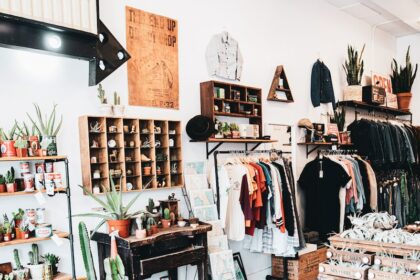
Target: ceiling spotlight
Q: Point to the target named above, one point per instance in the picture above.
(54, 41)
(120, 55)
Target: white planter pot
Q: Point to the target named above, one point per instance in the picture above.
(353, 93)
(106, 109)
(119, 110)
(36, 271)
(141, 233)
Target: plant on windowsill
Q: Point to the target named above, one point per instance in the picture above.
(48, 130)
(402, 79)
(8, 142)
(353, 67)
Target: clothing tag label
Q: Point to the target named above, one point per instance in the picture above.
(380, 190)
(40, 198)
(334, 147)
(321, 174)
(57, 240)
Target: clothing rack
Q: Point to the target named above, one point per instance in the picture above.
(238, 152)
(379, 115)
(337, 152)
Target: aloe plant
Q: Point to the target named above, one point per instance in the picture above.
(86, 252)
(354, 66)
(10, 135)
(46, 125)
(402, 78)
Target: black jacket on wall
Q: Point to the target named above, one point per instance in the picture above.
(322, 90)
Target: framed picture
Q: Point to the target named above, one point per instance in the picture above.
(206, 213)
(195, 168)
(198, 181)
(239, 267)
(201, 197)
(222, 265)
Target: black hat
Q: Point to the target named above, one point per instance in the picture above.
(200, 128)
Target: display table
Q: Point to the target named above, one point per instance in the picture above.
(165, 251)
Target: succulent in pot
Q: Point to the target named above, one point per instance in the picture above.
(354, 68)
(11, 181)
(402, 79)
(2, 184)
(226, 130)
(141, 230)
(104, 108)
(48, 130)
(234, 128)
(21, 146)
(53, 260)
(7, 229)
(36, 268)
(115, 214)
(151, 227)
(24, 231)
(18, 217)
(166, 220)
(8, 142)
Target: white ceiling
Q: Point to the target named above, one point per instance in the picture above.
(397, 17)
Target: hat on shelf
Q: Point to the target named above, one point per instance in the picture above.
(305, 123)
(200, 128)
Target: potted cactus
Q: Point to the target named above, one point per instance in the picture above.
(24, 231)
(86, 252)
(141, 231)
(402, 79)
(118, 108)
(1, 233)
(104, 107)
(151, 227)
(17, 219)
(2, 184)
(166, 220)
(48, 129)
(21, 146)
(11, 181)
(354, 67)
(53, 260)
(8, 142)
(113, 266)
(36, 268)
(20, 272)
(7, 229)
(234, 128)
(226, 130)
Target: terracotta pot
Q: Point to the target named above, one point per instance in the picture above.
(22, 152)
(166, 223)
(8, 148)
(7, 237)
(149, 232)
(24, 235)
(141, 233)
(34, 146)
(2, 188)
(18, 233)
(236, 134)
(11, 188)
(1, 237)
(123, 227)
(154, 229)
(404, 101)
(147, 170)
(18, 223)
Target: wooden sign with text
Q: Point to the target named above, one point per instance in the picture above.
(152, 42)
(384, 81)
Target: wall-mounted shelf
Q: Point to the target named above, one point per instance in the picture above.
(220, 142)
(149, 147)
(318, 145)
(23, 193)
(276, 89)
(14, 242)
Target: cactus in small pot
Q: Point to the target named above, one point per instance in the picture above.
(166, 220)
(104, 107)
(10, 180)
(141, 231)
(8, 142)
(151, 227)
(36, 268)
(53, 260)
(114, 268)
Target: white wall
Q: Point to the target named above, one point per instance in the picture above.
(272, 32)
(402, 45)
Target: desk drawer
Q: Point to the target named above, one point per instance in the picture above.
(176, 259)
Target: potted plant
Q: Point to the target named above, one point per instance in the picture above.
(48, 130)
(10, 181)
(115, 214)
(1, 233)
(36, 268)
(24, 231)
(226, 130)
(18, 217)
(235, 130)
(151, 227)
(34, 146)
(8, 142)
(166, 220)
(20, 272)
(7, 229)
(104, 107)
(2, 184)
(354, 67)
(402, 80)
(21, 146)
(147, 169)
(118, 108)
(218, 128)
(141, 230)
(53, 260)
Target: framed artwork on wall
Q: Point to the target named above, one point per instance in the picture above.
(239, 267)
(222, 267)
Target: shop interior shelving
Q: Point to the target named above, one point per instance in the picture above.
(275, 87)
(66, 190)
(317, 145)
(138, 143)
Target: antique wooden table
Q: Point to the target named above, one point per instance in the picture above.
(164, 251)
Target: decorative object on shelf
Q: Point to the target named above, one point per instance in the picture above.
(126, 129)
(8, 148)
(112, 129)
(200, 127)
(402, 80)
(226, 108)
(181, 222)
(174, 168)
(104, 107)
(113, 157)
(339, 118)
(234, 128)
(354, 68)
(166, 220)
(112, 143)
(223, 57)
(154, 83)
(21, 145)
(118, 108)
(226, 130)
(48, 129)
(384, 81)
(151, 227)
(36, 268)
(158, 170)
(95, 127)
(147, 169)
(158, 144)
(11, 181)
(96, 174)
(279, 89)
(141, 230)
(374, 95)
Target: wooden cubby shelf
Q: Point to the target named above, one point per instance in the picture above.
(128, 145)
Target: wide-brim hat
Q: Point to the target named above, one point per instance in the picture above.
(200, 128)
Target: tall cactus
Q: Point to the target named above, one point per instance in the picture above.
(86, 252)
(35, 252)
(31, 258)
(114, 269)
(17, 260)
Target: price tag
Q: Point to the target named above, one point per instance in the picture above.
(57, 240)
(321, 174)
(40, 198)
(334, 147)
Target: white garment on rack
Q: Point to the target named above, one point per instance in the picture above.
(223, 190)
(277, 194)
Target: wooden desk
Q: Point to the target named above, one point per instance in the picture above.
(165, 251)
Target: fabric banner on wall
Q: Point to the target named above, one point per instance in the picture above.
(152, 42)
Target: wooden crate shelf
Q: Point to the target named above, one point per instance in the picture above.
(127, 156)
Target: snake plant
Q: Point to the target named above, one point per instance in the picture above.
(86, 252)
(354, 66)
(403, 77)
(46, 125)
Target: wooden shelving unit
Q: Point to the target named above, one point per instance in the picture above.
(47, 158)
(14, 242)
(236, 96)
(57, 190)
(138, 143)
(275, 88)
